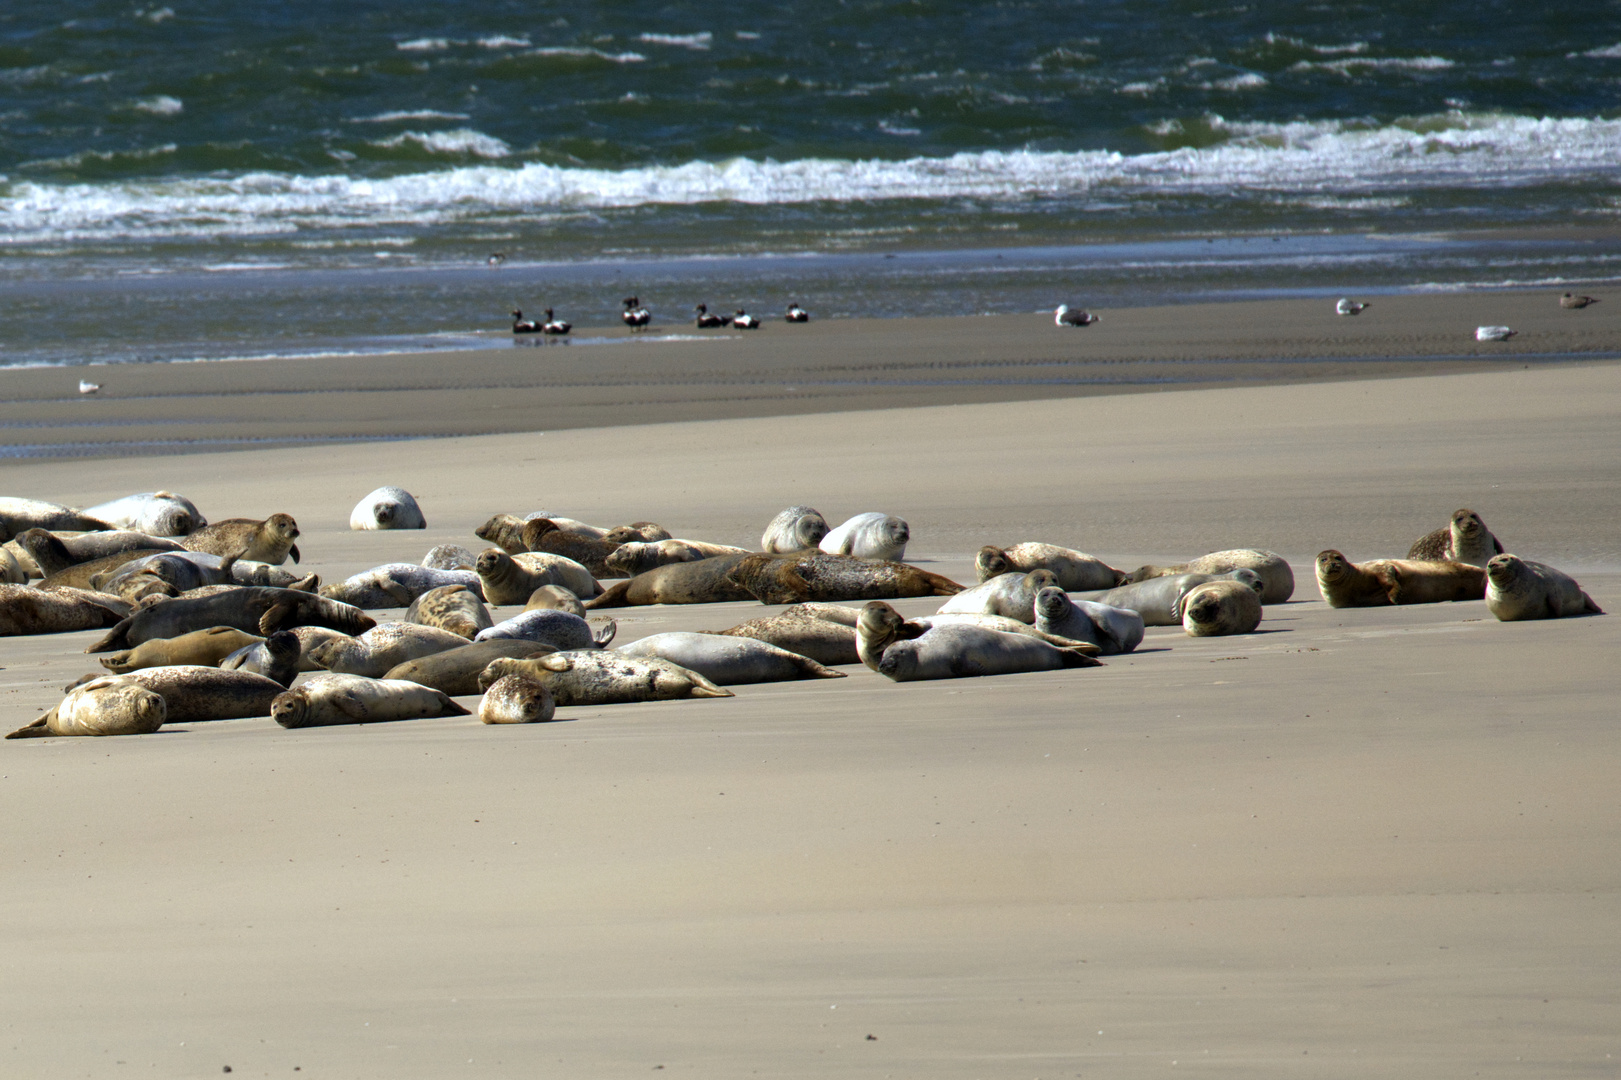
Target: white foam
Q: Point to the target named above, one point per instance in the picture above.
(700, 42)
(1361, 64)
(459, 141)
(1612, 52)
(581, 52)
(502, 41)
(415, 114)
(160, 105)
(425, 45)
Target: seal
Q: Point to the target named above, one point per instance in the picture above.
(795, 529)
(1159, 600)
(276, 658)
(510, 579)
(605, 677)
(1221, 607)
(555, 598)
(1009, 595)
(558, 629)
(48, 551)
(194, 694)
(1464, 539)
(249, 608)
(449, 557)
(702, 582)
(397, 585)
(646, 532)
(331, 699)
(1003, 624)
(28, 610)
(104, 706)
(953, 651)
(183, 571)
(816, 575)
(267, 541)
(383, 648)
(504, 531)
(1395, 581)
(636, 557)
(869, 536)
(451, 607)
(207, 648)
(12, 572)
(387, 508)
(591, 552)
(729, 660)
(161, 513)
(308, 638)
(19, 515)
(86, 547)
(516, 699)
(808, 630)
(456, 671)
(1114, 630)
(1518, 588)
(1077, 571)
(1276, 576)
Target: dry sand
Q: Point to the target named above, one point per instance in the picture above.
(1357, 843)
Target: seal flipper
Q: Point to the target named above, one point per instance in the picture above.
(280, 613)
(602, 635)
(1590, 608)
(1076, 658)
(614, 597)
(450, 707)
(943, 586)
(312, 583)
(293, 552)
(225, 572)
(37, 730)
(117, 638)
(397, 592)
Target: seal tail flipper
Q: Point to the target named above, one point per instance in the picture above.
(117, 638)
(226, 563)
(1077, 658)
(275, 618)
(614, 597)
(36, 730)
(602, 635)
(1590, 608)
(450, 707)
(310, 584)
(943, 586)
(397, 592)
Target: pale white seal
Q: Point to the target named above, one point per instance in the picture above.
(730, 660)
(387, 508)
(1114, 630)
(104, 706)
(1518, 588)
(1221, 607)
(1011, 595)
(869, 536)
(797, 528)
(161, 513)
(516, 699)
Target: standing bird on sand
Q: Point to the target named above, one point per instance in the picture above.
(635, 315)
(1350, 307)
(1065, 317)
(88, 387)
(1573, 302)
(521, 325)
(797, 313)
(554, 326)
(744, 321)
(707, 321)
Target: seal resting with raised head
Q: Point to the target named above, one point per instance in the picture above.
(869, 536)
(330, 699)
(1395, 581)
(1276, 576)
(816, 575)
(606, 677)
(1518, 588)
(276, 658)
(267, 541)
(1011, 595)
(103, 706)
(517, 699)
(1464, 539)
(1114, 630)
(729, 660)
(511, 579)
(955, 651)
(1221, 607)
(205, 647)
(1076, 570)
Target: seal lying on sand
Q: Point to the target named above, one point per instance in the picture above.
(1395, 581)
(1114, 630)
(1159, 600)
(828, 637)
(352, 699)
(19, 515)
(591, 552)
(451, 607)
(606, 677)
(276, 658)
(1518, 588)
(555, 598)
(559, 629)
(202, 647)
(396, 585)
(103, 706)
(517, 699)
(953, 651)
(193, 693)
(387, 508)
(1464, 539)
(1010, 595)
(65, 549)
(28, 610)
(646, 532)
(1221, 607)
(1003, 625)
(161, 513)
(704, 582)
(93, 575)
(186, 570)
(797, 528)
(1276, 576)
(869, 536)
(730, 660)
(816, 575)
(456, 671)
(382, 648)
(634, 558)
(1077, 571)
(253, 609)
(510, 579)
(449, 557)
(268, 541)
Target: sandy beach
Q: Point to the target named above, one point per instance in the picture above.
(1358, 843)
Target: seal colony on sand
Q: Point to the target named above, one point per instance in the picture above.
(1395, 581)
(1518, 589)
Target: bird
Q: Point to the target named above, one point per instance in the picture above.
(744, 321)
(706, 321)
(635, 315)
(1065, 317)
(1349, 307)
(88, 387)
(797, 313)
(496, 259)
(1572, 301)
(555, 327)
(521, 325)
(1493, 333)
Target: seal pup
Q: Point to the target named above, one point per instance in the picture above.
(1493, 333)
(591, 552)
(954, 651)
(1114, 630)
(1221, 607)
(1572, 302)
(456, 671)
(630, 559)
(383, 647)
(555, 598)
(646, 532)
(267, 541)
(1464, 539)
(805, 629)
(1159, 600)
(25, 609)
(606, 677)
(276, 658)
(102, 706)
(207, 648)
(704, 582)
(1347, 306)
(397, 585)
(249, 608)
(161, 513)
(1395, 581)
(1068, 316)
(794, 529)
(729, 660)
(19, 515)
(1518, 588)
(517, 699)
(816, 575)
(869, 536)
(451, 607)
(193, 693)
(331, 699)
(510, 579)
(449, 557)
(559, 629)
(1010, 595)
(1276, 575)
(1077, 571)
(387, 508)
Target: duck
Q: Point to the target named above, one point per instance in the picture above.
(1347, 306)
(1572, 301)
(744, 321)
(88, 387)
(521, 325)
(797, 313)
(1065, 317)
(635, 315)
(1493, 333)
(555, 327)
(706, 321)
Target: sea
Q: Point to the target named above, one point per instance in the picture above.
(209, 179)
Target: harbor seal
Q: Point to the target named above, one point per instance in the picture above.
(1464, 539)
(382, 648)
(555, 598)
(505, 531)
(397, 585)
(1159, 600)
(516, 699)
(186, 570)
(331, 699)
(559, 629)
(591, 552)
(276, 658)
(606, 677)
(703, 582)
(637, 557)
(869, 536)
(807, 630)
(449, 557)
(1077, 571)
(511, 579)
(267, 541)
(20, 515)
(1010, 595)
(1276, 576)
(92, 575)
(797, 528)
(86, 547)
(1518, 588)
(1003, 624)
(1114, 630)
(103, 706)
(646, 532)
(1221, 607)
(456, 671)
(12, 572)
(249, 608)
(451, 607)
(953, 651)
(729, 660)
(161, 513)
(308, 638)
(387, 508)
(193, 693)
(25, 609)
(816, 575)
(207, 648)
(1395, 581)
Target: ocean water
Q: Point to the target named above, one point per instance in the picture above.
(200, 178)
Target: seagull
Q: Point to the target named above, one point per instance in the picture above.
(706, 321)
(1065, 317)
(1349, 307)
(520, 325)
(496, 259)
(797, 313)
(1571, 300)
(88, 387)
(744, 321)
(635, 315)
(1494, 333)
(555, 327)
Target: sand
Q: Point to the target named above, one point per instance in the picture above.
(1356, 843)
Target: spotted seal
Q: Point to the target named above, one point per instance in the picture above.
(816, 575)
(1221, 607)
(268, 541)
(797, 528)
(451, 607)
(455, 671)
(397, 585)
(1464, 539)
(382, 648)
(637, 557)
(161, 513)
(104, 706)
(1076, 570)
(1518, 588)
(1012, 595)
(200, 647)
(556, 628)
(1276, 576)
(606, 677)
(555, 598)
(869, 536)
(449, 557)
(330, 699)
(516, 699)
(807, 629)
(25, 609)
(1159, 600)
(1395, 581)
(250, 608)
(591, 552)
(387, 508)
(728, 660)
(510, 579)
(193, 693)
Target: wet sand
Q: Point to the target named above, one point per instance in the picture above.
(1355, 843)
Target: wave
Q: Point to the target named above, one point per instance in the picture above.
(461, 141)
